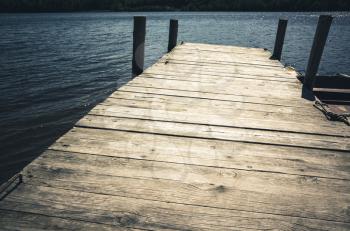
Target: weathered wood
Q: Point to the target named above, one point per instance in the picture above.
(295, 103)
(213, 68)
(229, 80)
(173, 29)
(246, 110)
(281, 32)
(223, 58)
(138, 53)
(205, 177)
(207, 152)
(247, 90)
(208, 138)
(217, 132)
(139, 213)
(225, 48)
(241, 119)
(203, 186)
(206, 78)
(157, 99)
(223, 64)
(44, 222)
(219, 76)
(320, 39)
(237, 68)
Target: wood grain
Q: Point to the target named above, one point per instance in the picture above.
(155, 215)
(209, 138)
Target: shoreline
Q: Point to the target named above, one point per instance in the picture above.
(171, 11)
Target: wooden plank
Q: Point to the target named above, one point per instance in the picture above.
(248, 89)
(187, 73)
(221, 61)
(215, 69)
(229, 60)
(241, 119)
(33, 221)
(254, 103)
(207, 152)
(279, 114)
(295, 103)
(127, 98)
(255, 56)
(57, 164)
(224, 48)
(201, 186)
(230, 81)
(209, 78)
(220, 65)
(217, 46)
(217, 132)
(219, 69)
(139, 213)
(223, 57)
(204, 107)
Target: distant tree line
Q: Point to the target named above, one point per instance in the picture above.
(172, 5)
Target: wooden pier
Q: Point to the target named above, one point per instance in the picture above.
(210, 137)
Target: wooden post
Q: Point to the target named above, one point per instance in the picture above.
(138, 54)
(173, 34)
(323, 26)
(281, 32)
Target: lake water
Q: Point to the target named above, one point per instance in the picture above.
(55, 67)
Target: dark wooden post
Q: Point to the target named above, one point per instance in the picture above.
(323, 26)
(173, 34)
(281, 32)
(138, 53)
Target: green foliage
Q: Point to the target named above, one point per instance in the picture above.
(181, 5)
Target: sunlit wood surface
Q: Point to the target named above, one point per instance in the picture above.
(208, 138)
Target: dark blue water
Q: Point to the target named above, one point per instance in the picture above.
(55, 67)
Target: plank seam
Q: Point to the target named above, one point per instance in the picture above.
(200, 165)
(291, 84)
(108, 102)
(224, 126)
(221, 93)
(184, 96)
(194, 205)
(231, 77)
(225, 63)
(69, 218)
